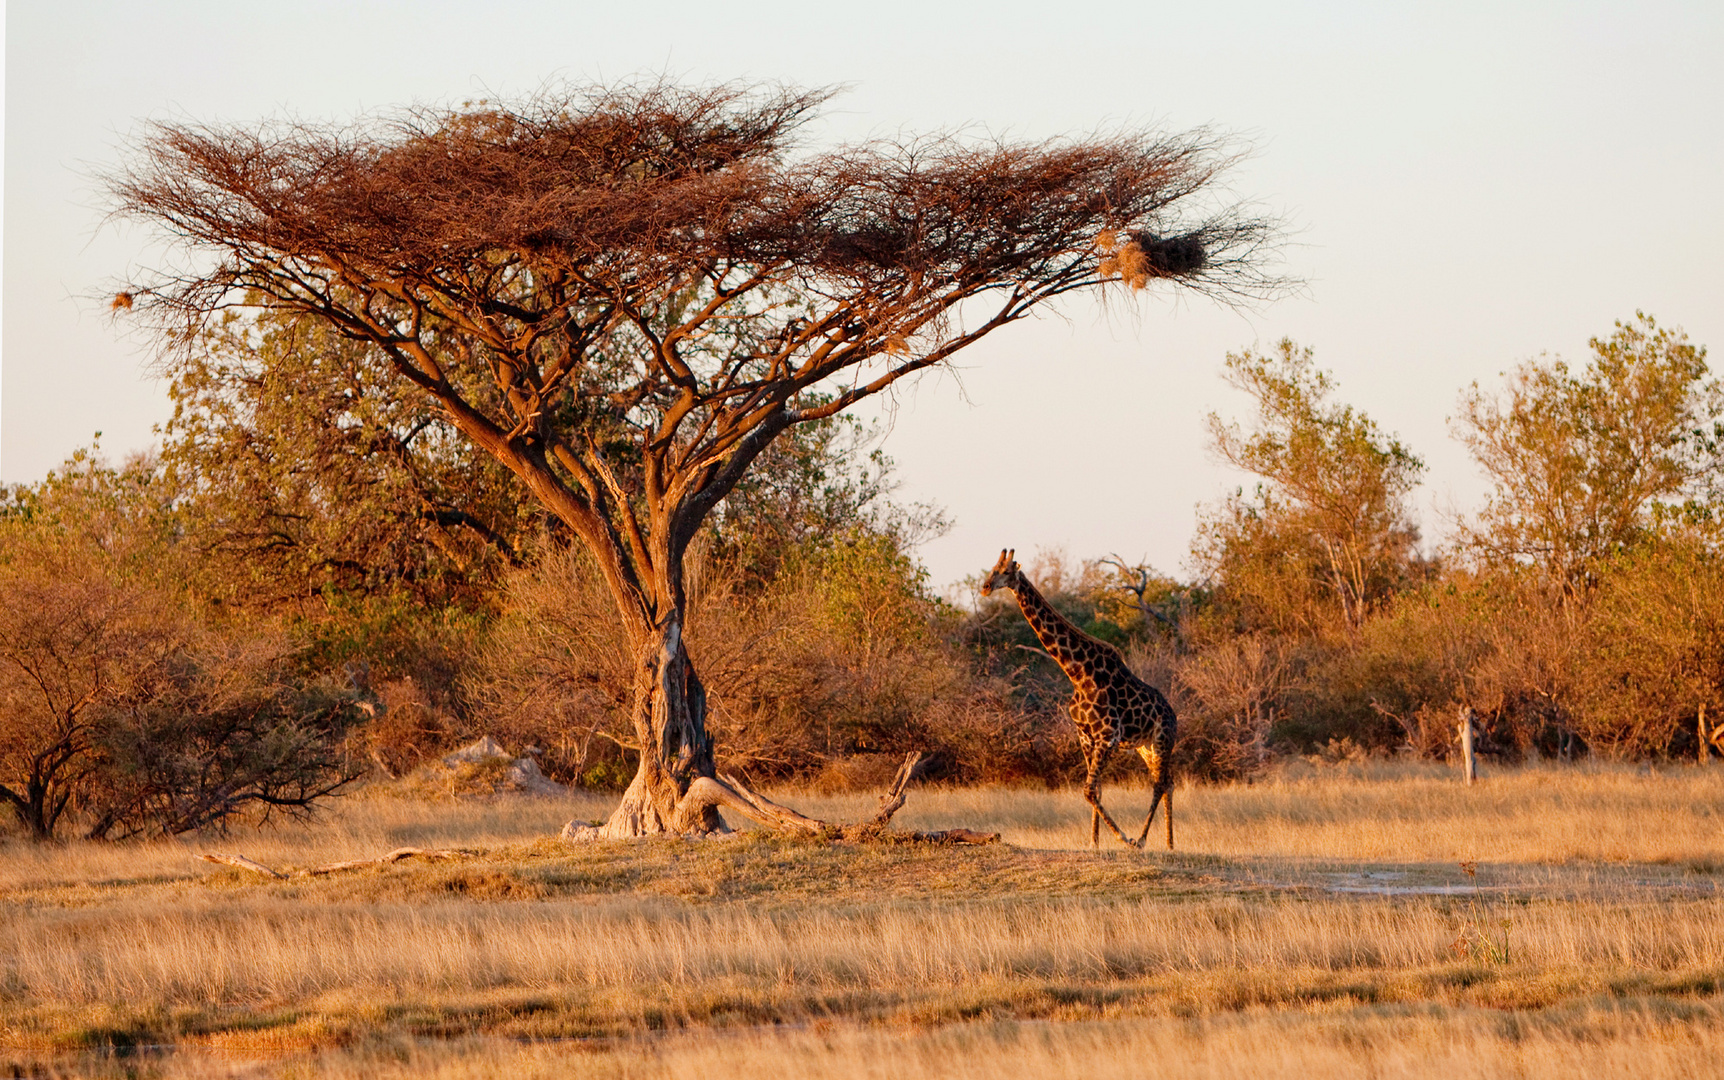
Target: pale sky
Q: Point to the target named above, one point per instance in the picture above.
(1466, 185)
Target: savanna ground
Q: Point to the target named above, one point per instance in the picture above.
(1319, 923)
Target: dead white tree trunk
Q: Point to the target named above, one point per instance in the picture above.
(1469, 761)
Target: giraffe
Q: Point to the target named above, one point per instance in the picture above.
(1109, 705)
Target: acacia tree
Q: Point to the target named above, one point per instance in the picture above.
(624, 295)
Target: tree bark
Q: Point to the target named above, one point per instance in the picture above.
(675, 749)
(37, 809)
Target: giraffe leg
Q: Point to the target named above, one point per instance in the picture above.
(1098, 812)
(1101, 812)
(1091, 767)
(1149, 819)
(1163, 790)
(1161, 795)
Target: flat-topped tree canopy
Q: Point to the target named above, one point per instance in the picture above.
(625, 293)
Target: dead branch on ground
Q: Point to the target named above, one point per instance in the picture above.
(353, 864)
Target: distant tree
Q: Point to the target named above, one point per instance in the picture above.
(1229, 697)
(1582, 462)
(79, 554)
(306, 469)
(816, 485)
(1650, 656)
(116, 708)
(70, 641)
(1144, 601)
(1330, 517)
(625, 296)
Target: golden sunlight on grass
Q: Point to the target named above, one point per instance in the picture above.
(1376, 1043)
(1318, 923)
(1417, 813)
(1348, 1043)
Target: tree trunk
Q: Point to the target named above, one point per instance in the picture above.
(676, 790)
(31, 807)
(670, 724)
(1469, 761)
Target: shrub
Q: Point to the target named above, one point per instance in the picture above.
(123, 703)
(223, 728)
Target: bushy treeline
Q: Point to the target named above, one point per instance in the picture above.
(316, 579)
(1578, 612)
(130, 704)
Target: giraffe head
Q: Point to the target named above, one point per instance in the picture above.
(1004, 575)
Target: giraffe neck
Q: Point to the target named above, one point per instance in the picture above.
(1068, 645)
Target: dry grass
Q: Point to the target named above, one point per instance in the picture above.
(222, 951)
(1382, 1044)
(349, 828)
(1373, 1043)
(1596, 922)
(1379, 811)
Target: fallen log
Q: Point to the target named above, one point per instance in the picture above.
(243, 863)
(393, 857)
(731, 792)
(353, 864)
(954, 836)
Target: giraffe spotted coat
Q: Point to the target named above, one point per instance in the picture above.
(1110, 706)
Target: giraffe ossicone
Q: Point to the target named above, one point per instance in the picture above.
(1110, 706)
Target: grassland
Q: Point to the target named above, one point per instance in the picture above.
(1321, 923)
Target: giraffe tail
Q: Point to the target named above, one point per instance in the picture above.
(1169, 798)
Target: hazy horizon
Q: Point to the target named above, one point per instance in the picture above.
(1463, 190)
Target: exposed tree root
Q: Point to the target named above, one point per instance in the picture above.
(726, 791)
(730, 792)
